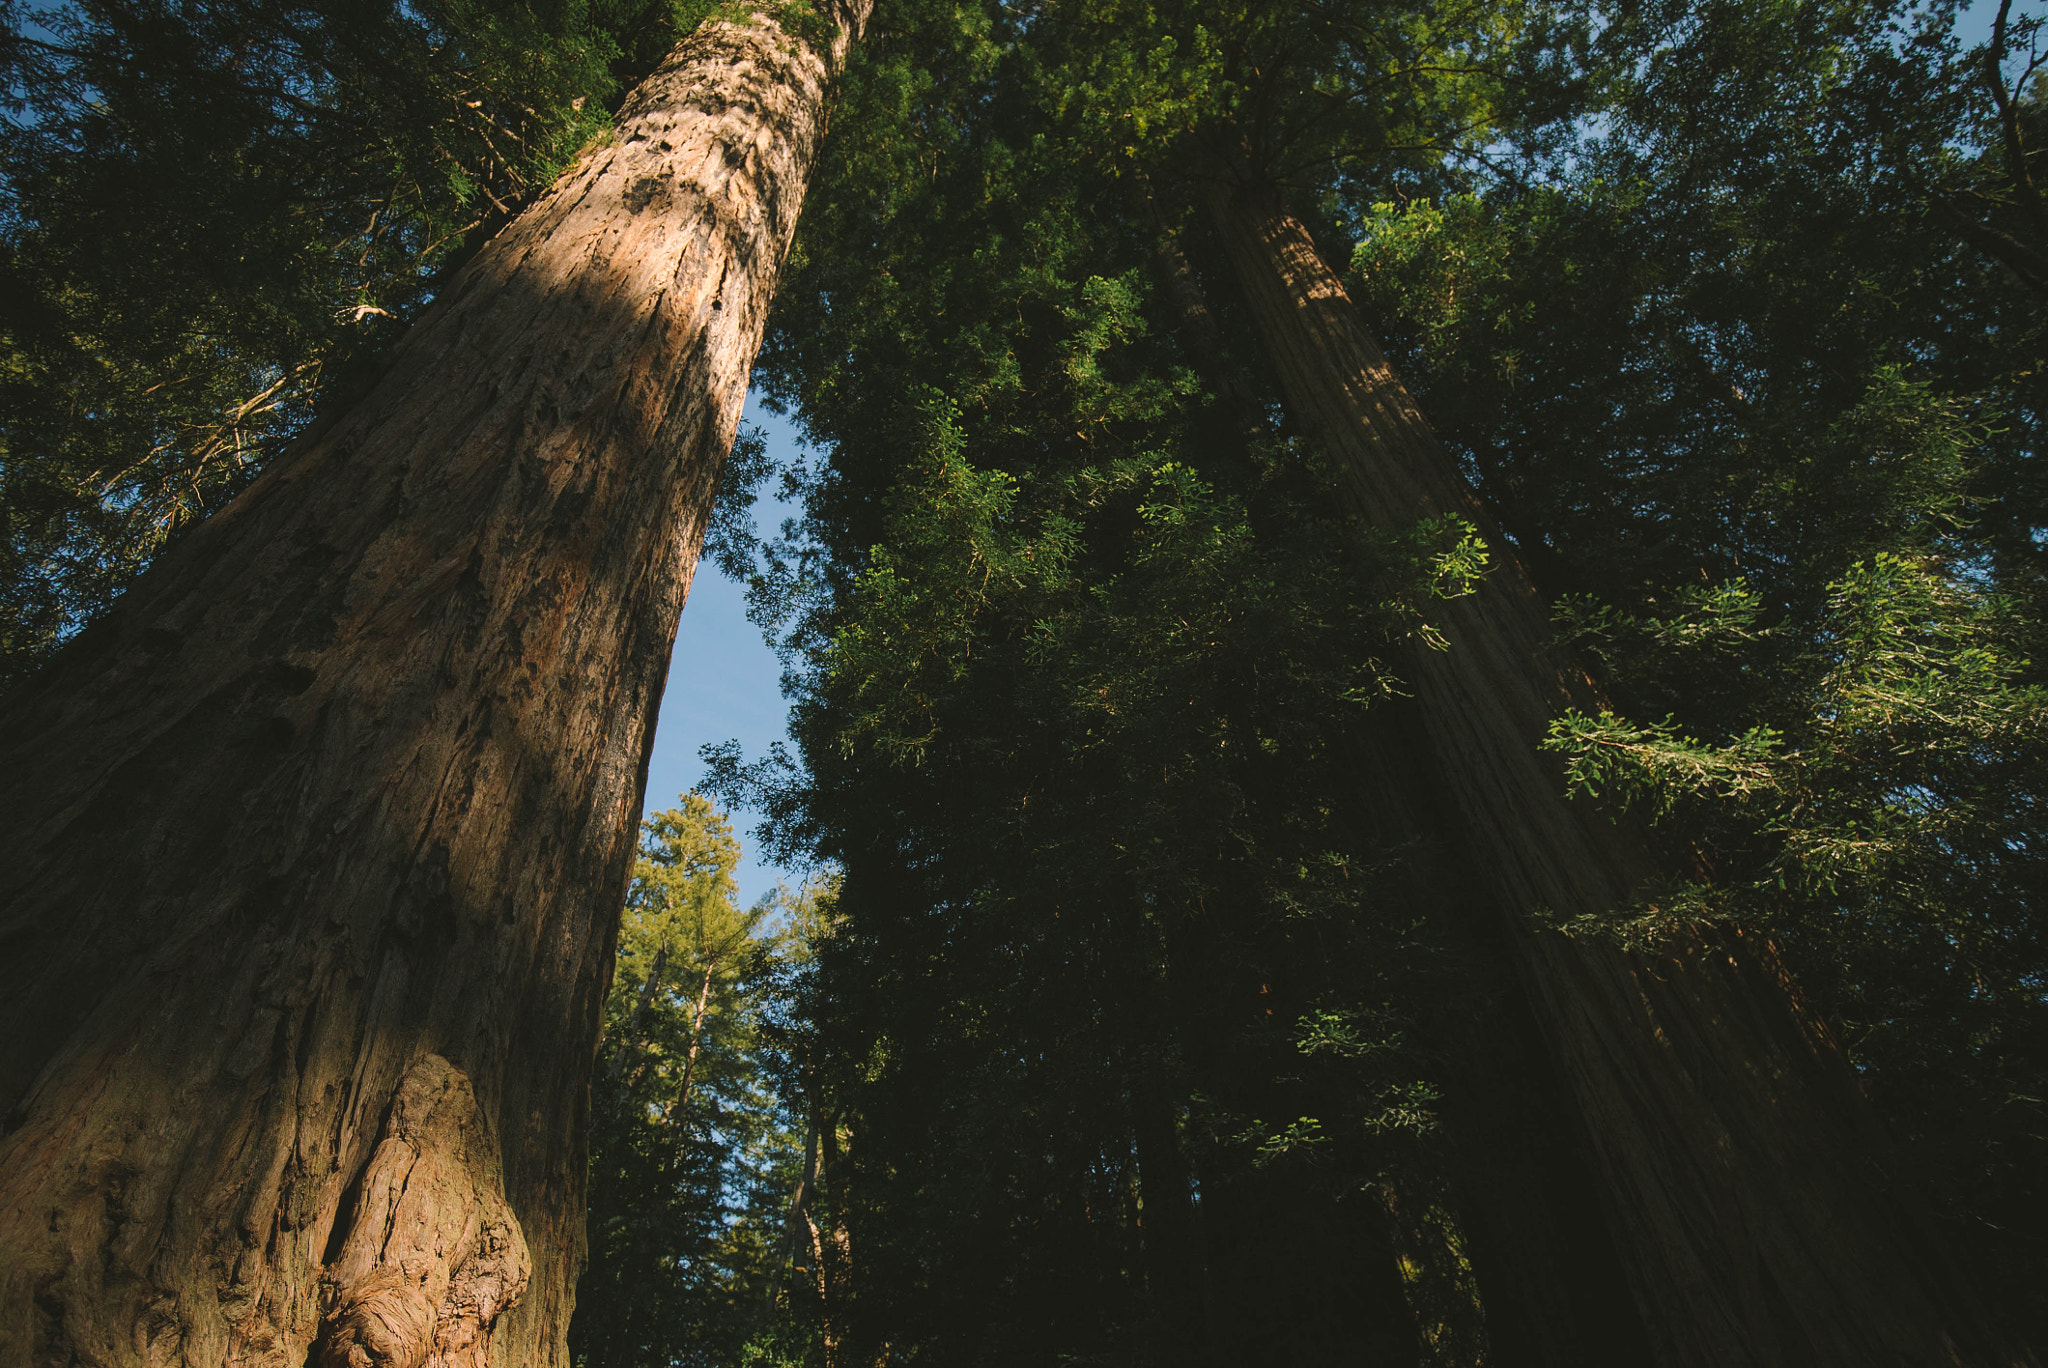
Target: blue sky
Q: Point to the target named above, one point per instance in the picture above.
(724, 682)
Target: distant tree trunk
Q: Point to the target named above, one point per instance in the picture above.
(833, 1246)
(636, 1026)
(799, 1207)
(1753, 1195)
(696, 1039)
(311, 851)
(1171, 1241)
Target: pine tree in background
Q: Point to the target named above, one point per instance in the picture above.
(695, 1153)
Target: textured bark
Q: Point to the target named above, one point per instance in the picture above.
(1751, 1191)
(1554, 1292)
(335, 809)
(431, 1252)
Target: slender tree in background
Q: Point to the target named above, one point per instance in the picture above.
(313, 841)
(695, 1150)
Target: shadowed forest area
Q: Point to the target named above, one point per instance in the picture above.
(1415, 653)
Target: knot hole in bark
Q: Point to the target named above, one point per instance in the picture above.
(644, 192)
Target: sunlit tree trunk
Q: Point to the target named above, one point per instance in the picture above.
(797, 1218)
(1752, 1193)
(311, 851)
(832, 1244)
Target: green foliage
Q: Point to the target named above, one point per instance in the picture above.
(1445, 264)
(214, 216)
(1628, 763)
(1092, 687)
(696, 1144)
(1762, 418)
(1912, 735)
(1089, 683)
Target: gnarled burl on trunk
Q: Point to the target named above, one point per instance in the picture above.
(429, 1251)
(311, 851)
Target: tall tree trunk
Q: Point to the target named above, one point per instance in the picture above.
(1752, 1192)
(799, 1207)
(1554, 1290)
(1171, 1241)
(833, 1246)
(310, 852)
(1555, 1293)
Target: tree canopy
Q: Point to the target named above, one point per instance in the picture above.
(1097, 698)
(1142, 1017)
(217, 215)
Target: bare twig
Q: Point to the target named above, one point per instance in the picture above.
(2016, 167)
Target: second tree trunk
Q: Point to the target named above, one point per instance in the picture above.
(1750, 1188)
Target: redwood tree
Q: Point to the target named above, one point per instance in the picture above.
(313, 844)
(1760, 1214)
(1752, 1193)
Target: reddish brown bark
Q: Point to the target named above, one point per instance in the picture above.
(1554, 1292)
(1749, 1187)
(831, 1246)
(310, 852)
